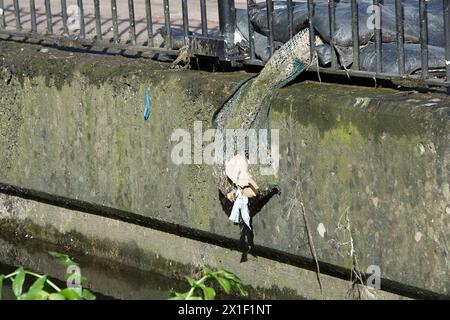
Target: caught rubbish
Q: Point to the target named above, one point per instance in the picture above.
(240, 209)
(147, 105)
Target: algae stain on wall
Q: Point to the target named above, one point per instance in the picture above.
(352, 159)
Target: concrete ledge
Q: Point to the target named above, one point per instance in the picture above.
(122, 245)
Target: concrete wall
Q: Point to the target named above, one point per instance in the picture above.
(371, 166)
(126, 261)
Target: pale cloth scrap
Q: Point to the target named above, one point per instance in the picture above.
(237, 170)
(240, 209)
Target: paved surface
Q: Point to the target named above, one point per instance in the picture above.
(122, 8)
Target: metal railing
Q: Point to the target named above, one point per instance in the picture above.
(335, 68)
(103, 23)
(21, 20)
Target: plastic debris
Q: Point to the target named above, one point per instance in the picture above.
(240, 209)
(147, 105)
(237, 170)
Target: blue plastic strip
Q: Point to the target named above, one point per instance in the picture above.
(147, 105)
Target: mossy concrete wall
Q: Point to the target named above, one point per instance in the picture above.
(370, 165)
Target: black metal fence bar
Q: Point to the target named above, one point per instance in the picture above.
(227, 20)
(222, 45)
(2, 15)
(98, 20)
(132, 21)
(148, 14)
(290, 15)
(33, 16)
(377, 34)
(312, 35)
(167, 24)
(423, 37)
(447, 36)
(184, 12)
(64, 16)
(269, 7)
(251, 33)
(332, 23)
(115, 24)
(378, 37)
(355, 35)
(48, 16)
(17, 12)
(82, 25)
(400, 37)
(204, 18)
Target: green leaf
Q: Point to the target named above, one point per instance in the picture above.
(207, 271)
(208, 292)
(38, 285)
(75, 279)
(82, 279)
(1, 285)
(41, 295)
(172, 293)
(88, 295)
(37, 295)
(63, 259)
(55, 254)
(241, 290)
(191, 281)
(225, 284)
(229, 275)
(17, 283)
(56, 296)
(70, 294)
(193, 298)
(34, 293)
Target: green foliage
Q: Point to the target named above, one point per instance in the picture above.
(1, 285)
(226, 280)
(17, 282)
(39, 289)
(63, 259)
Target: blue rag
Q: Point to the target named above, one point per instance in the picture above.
(147, 105)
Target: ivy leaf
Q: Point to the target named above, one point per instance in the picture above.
(75, 279)
(241, 290)
(229, 275)
(88, 295)
(63, 259)
(39, 295)
(34, 293)
(172, 293)
(208, 293)
(70, 294)
(17, 283)
(207, 271)
(2, 277)
(225, 284)
(56, 296)
(191, 281)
